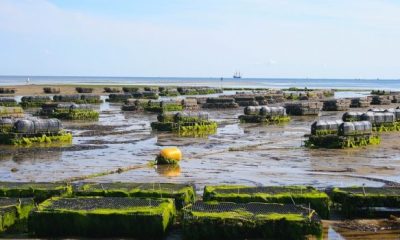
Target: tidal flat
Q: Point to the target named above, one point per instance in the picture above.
(245, 154)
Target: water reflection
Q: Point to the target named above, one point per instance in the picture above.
(168, 170)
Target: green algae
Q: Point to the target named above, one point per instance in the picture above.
(362, 201)
(14, 211)
(9, 104)
(238, 223)
(264, 119)
(386, 127)
(39, 191)
(75, 114)
(272, 194)
(11, 111)
(10, 138)
(31, 104)
(338, 142)
(187, 129)
(133, 219)
(170, 107)
(183, 194)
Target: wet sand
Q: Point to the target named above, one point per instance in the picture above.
(250, 154)
(33, 89)
(238, 154)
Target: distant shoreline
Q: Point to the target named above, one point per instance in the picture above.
(251, 83)
(37, 89)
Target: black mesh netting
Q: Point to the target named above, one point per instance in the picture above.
(4, 210)
(253, 208)
(102, 203)
(372, 190)
(28, 185)
(170, 187)
(270, 190)
(9, 204)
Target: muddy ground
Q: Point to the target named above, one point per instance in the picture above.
(250, 154)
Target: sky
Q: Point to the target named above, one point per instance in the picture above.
(201, 38)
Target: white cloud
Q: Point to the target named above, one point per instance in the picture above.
(353, 38)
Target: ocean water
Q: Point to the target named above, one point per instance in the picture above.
(361, 84)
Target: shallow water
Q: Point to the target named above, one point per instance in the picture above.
(250, 154)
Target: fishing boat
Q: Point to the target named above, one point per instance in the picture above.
(237, 75)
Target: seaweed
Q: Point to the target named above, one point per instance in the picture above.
(75, 114)
(264, 119)
(11, 112)
(7, 90)
(187, 129)
(168, 93)
(364, 201)
(197, 129)
(11, 138)
(183, 194)
(337, 142)
(9, 104)
(84, 90)
(111, 90)
(251, 220)
(271, 194)
(49, 90)
(170, 107)
(386, 127)
(31, 104)
(39, 191)
(14, 211)
(130, 89)
(102, 217)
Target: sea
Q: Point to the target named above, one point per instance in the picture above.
(350, 84)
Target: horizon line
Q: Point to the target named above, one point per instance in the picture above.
(217, 78)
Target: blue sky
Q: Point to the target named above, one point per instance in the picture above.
(201, 38)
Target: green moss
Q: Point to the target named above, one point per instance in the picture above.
(8, 216)
(41, 139)
(362, 201)
(11, 112)
(238, 223)
(169, 94)
(6, 129)
(9, 104)
(263, 119)
(75, 114)
(90, 217)
(39, 191)
(187, 129)
(31, 104)
(14, 211)
(182, 193)
(335, 141)
(197, 129)
(272, 194)
(165, 108)
(387, 127)
(88, 101)
(380, 92)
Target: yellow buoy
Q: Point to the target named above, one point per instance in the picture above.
(169, 155)
(172, 153)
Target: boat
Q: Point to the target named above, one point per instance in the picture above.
(237, 75)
